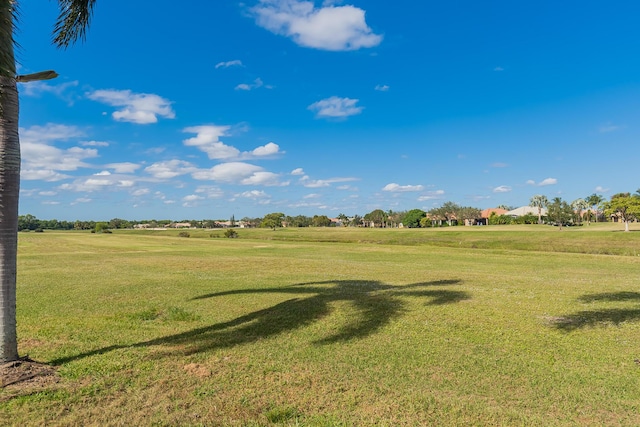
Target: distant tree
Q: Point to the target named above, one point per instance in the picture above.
(595, 202)
(101, 227)
(539, 201)
(625, 206)
(425, 222)
(559, 212)
(344, 220)
(505, 207)
(377, 217)
(298, 221)
(449, 211)
(412, 218)
(469, 213)
(28, 222)
(272, 220)
(356, 221)
(320, 221)
(579, 205)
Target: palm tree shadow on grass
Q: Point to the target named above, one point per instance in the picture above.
(601, 317)
(375, 304)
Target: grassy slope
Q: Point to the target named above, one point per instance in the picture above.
(456, 326)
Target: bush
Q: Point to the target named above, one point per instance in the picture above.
(38, 230)
(184, 234)
(231, 233)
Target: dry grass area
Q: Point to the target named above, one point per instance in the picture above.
(443, 327)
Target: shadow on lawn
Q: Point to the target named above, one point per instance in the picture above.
(603, 317)
(376, 304)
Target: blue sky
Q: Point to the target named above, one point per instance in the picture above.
(224, 108)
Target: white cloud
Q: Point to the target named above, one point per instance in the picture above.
(329, 28)
(311, 196)
(548, 181)
(502, 189)
(192, 198)
(140, 192)
(207, 139)
(393, 187)
(382, 88)
(319, 183)
(169, 169)
(37, 88)
(335, 107)
(47, 193)
(257, 83)
(227, 64)
(41, 160)
(41, 174)
(238, 173)
(297, 171)
(544, 182)
(600, 189)
(268, 149)
(253, 194)
(140, 108)
(498, 69)
(94, 144)
(124, 167)
(210, 192)
(431, 195)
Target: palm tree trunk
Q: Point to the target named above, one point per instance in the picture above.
(9, 193)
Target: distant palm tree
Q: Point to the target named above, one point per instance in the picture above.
(595, 201)
(539, 201)
(578, 206)
(71, 25)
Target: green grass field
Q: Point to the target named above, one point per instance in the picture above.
(331, 327)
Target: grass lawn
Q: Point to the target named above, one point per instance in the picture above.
(331, 327)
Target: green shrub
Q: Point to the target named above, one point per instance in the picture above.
(231, 233)
(184, 234)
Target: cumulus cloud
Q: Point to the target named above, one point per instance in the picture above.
(210, 192)
(600, 189)
(238, 173)
(335, 107)
(381, 88)
(548, 181)
(227, 64)
(544, 182)
(502, 189)
(268, 149)
(393, 187)
(253, 194)
(329, 27)
(124, 167)
(140, 108)
(207, 139)
(169, 169)
(41, 160)
(498, 69)
(297, 171)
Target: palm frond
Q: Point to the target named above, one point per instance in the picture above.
(73, 21)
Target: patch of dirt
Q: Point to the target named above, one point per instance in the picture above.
(26, 373)
(197, 370)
